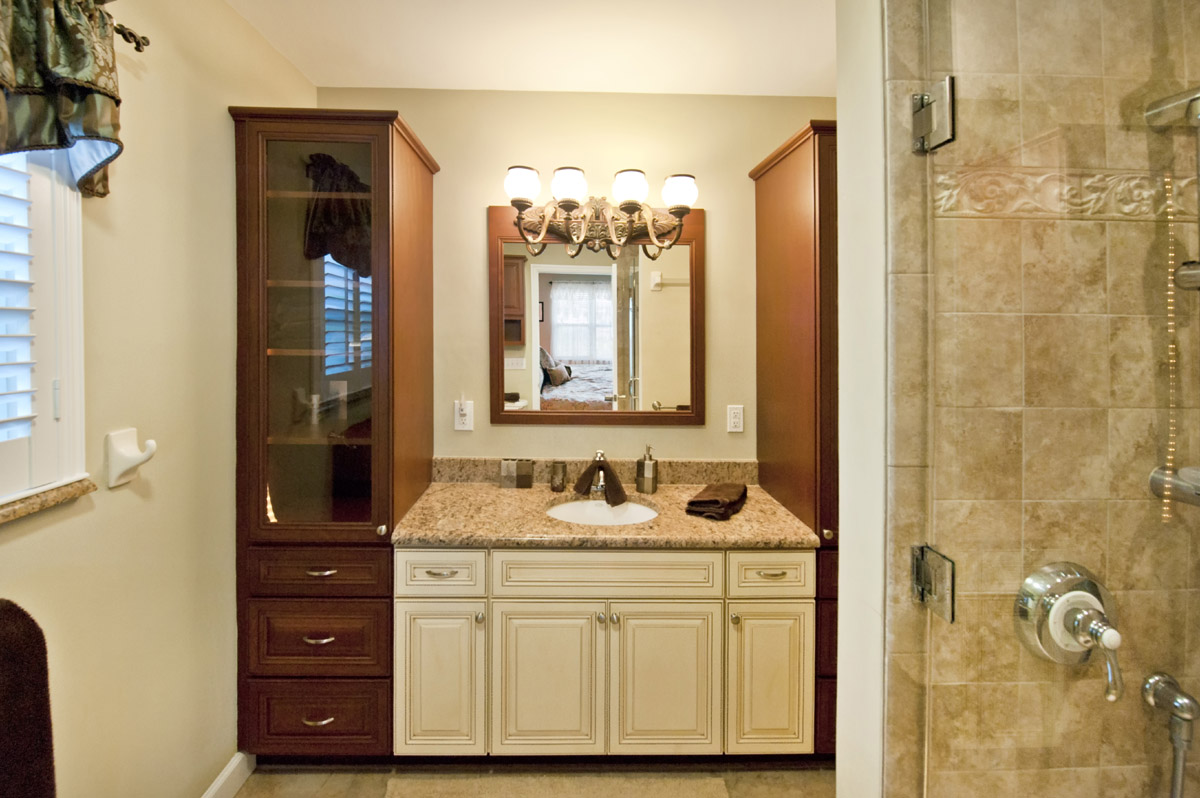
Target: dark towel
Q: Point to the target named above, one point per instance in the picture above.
(718, 502)
(26, 746)
(614, 493)
(515, 396)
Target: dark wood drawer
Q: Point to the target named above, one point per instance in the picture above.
(311, 637)
(324, 571)
(325, 717)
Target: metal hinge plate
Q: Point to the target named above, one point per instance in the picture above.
(933, 116)
(933, 581)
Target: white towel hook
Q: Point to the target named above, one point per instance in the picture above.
(124, 455)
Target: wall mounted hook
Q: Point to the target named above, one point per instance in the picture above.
(124, 455)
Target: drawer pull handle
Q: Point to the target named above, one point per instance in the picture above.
(320, 573)
(317, 723)
(601, 617)
(319, 641)
(735, 619)
(480, 617)
(772, 574)
(443, 574)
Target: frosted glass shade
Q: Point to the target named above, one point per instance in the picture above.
(629, 186)
(522, 182)
(680, 191)
(569, 184)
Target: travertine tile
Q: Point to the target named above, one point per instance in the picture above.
(908, 373)
(979, 646)
(1138, 269)
(1191, 667)
(984, 35)
(907, 185)
(1072, 531)
(904, 754)
(1062, 121)
(978, 454)
(976, 727)
(1066, 454)
(1056, 727)
(1128, 735)
(958, 784)
(1070, 783)
(984, 540)
(1060, 37)
(1144, 552)
(1139, 364)
(978, 265)
(1137, 444)
(1066, 361)
(1135, 781)
(1065, 267)
(1131, 144)
(978, 360)
(908, 525)
(988, 122)
(1128, 30)
(904, 29)
(1150, 622)
(1191, 37)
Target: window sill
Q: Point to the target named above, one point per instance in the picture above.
(44, 500)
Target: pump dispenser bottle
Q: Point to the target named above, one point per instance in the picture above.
(647, 473)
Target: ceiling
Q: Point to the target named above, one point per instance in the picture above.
(759, 47)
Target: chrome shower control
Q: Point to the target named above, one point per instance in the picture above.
(1063, 613)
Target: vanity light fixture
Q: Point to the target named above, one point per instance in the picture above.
(598, 224)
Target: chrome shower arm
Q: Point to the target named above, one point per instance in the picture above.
(1184, 105)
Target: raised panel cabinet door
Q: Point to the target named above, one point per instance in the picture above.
(665, 671)
(548, 680)
(440, 697)
(770, 679)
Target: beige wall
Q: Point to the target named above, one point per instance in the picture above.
(135, 586)
(663, 316)
(476, 136)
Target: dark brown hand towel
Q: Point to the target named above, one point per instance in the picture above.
(26, 747)
(718, 502)
(614, 492)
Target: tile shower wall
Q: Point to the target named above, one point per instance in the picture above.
(1030, 394)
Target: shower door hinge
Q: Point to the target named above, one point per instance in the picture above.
(933, 581)
(933, 116)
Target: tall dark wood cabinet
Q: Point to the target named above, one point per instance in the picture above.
(334, 416)
(796, 237)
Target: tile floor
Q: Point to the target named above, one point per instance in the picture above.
(552, 782)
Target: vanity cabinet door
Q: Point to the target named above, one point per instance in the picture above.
(440, 697)
(665, 667)
(548, 677)
(769, 685)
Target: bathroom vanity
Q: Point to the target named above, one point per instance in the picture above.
(519, 634)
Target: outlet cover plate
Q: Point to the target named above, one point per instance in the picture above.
(735, 416)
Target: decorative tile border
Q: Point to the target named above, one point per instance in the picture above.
(670, 472)
(1039, 194)
(44, 500)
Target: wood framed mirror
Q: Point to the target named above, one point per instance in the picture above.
(594, 340)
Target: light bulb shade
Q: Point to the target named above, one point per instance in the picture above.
(569, 185)
(679, 191)
(522, 183)
(630, 186)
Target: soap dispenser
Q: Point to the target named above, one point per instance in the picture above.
(647, 473)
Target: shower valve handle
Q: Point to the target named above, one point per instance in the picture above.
(1091, 629)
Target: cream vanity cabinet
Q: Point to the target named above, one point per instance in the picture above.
(594, 652)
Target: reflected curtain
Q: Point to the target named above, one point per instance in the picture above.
(581, 320)
(59, 75)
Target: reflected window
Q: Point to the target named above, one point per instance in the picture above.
(347, 319)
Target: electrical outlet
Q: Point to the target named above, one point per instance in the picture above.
(464, 415)
(514, 364)
(735, 418)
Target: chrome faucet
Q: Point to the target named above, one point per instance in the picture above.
(598, 486)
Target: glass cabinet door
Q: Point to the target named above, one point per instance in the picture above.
(319, 328)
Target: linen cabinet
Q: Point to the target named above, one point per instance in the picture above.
(334, 416)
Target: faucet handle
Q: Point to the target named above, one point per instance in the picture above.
(599, 455)
(1091, 629)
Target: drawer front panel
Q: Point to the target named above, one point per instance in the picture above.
(296, 571)
(441, 573)
(315, 718)
(319, 638)
(789, 574)
(607, 574)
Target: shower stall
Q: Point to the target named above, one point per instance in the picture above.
(1044, 359)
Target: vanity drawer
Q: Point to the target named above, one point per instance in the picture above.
(450, 572)
(298, 571)
(345, 637)
(608, 574)
(316, 718)
(772, 573)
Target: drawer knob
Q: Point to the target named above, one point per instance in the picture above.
(735, 619)
(320, 573)
(317, 723)
(828, 533)
(319, 641)
(772, 574)
(601, 617)
(479, 617)
(615, 618)
(445, 573)
(380, 530)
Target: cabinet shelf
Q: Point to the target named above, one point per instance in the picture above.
(281, 194)
(295, 283)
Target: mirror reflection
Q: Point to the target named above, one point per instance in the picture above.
(597, 334)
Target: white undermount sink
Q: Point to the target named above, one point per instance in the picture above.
(599, 513)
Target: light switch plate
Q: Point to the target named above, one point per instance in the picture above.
(514, 364)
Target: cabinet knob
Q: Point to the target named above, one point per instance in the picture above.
(735, 619)
(828, 533)
(479, 617)
(381, 530)
(601, 617)
(615, 618)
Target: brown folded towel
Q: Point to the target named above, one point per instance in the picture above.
(26, 747)
(614, 493)
(718, 502)
(514, 396)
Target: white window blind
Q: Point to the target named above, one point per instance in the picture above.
(581, 320)
(348, 319)
(16, 311)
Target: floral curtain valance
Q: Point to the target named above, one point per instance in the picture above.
(59, 76)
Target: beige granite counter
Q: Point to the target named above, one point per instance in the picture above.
(484, 515)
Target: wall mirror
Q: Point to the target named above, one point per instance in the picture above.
(595, 339)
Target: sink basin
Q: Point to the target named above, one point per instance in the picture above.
(598, 513)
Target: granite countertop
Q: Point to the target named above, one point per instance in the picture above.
(484, 515)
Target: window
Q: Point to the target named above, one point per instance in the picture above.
(581, 320)
(347, 314)
(41, 343)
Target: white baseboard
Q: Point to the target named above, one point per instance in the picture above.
(232, 777)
